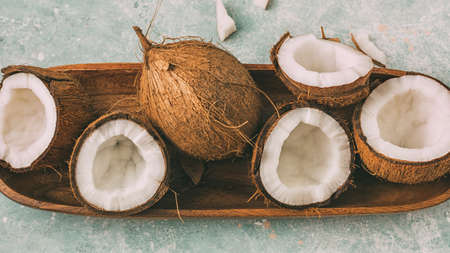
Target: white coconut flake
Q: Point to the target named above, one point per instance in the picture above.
(408, 118)
(261, 3)
(27, 119)
(306, 158)
(225, 24)
(120, 166)
(368, 47)
(321, 63)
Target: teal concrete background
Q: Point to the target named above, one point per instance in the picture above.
(413, 34)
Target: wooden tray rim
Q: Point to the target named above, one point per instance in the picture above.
(227, 213)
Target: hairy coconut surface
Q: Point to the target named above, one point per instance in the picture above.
(321, 70)
(42, 111)
(304, 158)
(119, 165)
(402, 130)
(201, 97)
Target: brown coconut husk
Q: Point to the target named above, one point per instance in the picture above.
(395, 170)
(201, 97)
(73, 115)
(337, 96)
(259, 148)
(140, 120)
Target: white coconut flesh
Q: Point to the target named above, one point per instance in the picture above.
(225, 24)
(408, 118)
(321, 63)
(306, 158)
(120, 166)
(27, 119)
(369, 47)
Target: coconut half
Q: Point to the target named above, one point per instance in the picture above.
(402, 130)
(119, 165)
(322, 70)
(40, 112)
(27, 119)
(225, 24)
(304, 158)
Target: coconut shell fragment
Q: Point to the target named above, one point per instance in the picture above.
(370, 47)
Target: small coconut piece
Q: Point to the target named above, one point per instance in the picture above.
(402, 130)
(40, 113)
(119, 165)
(225, 24)
(322, 70)
(261, 3)
(363, 44)
(201, 97)
(304, 158)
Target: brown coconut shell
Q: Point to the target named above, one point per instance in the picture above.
(73, 115)
(201, 97)
(140, 120)
(265, 133)
(336, 96)
(395, 170)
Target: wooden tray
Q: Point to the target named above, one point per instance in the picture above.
(226, 186)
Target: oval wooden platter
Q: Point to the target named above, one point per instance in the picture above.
(225, 188)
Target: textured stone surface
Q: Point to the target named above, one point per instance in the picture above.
(414, 35)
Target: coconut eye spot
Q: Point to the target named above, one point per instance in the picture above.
(25, 119)
(305, 157)
(118, 164)
(408, 120)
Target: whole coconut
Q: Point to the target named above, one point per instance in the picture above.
(201, 97)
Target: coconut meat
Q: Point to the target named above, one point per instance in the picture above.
(120, 166)
(27, 119)
(306, 158)
(225, 24)
(321, 63)
(408, 118)
(369, 47)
